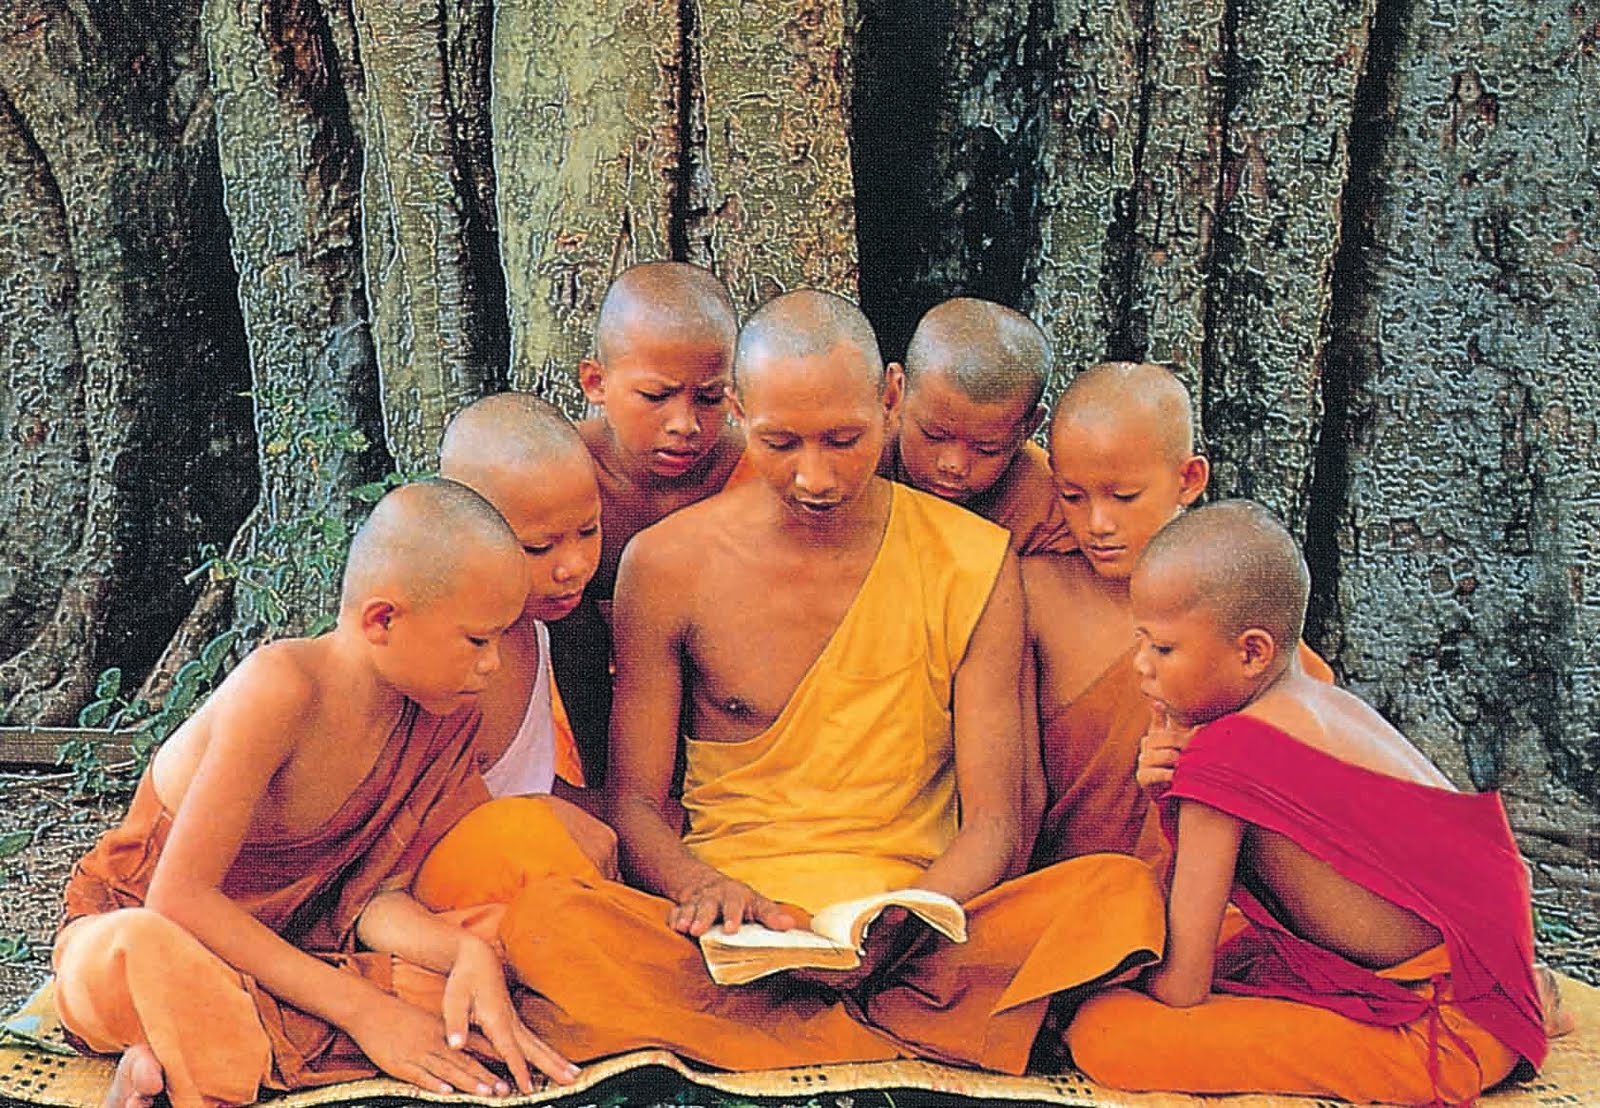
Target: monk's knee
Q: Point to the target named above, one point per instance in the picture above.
(494, 851)
(1107, 1041)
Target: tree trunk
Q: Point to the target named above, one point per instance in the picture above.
(1464, 576)
(291, 163)
(586, 117)
(434, 325)
(108, 111)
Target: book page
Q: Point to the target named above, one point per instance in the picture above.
(755, 936)
(847, 922)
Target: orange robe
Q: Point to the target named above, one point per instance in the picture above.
(127, 975)
(1091, 753)
(850, 791)
(1024, 501)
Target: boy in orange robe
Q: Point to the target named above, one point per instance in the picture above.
(662, 362)
(871, 741)
(975, 373)
(1388, 954)
(1122, 452)
(212, 938)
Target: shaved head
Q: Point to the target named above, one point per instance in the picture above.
(1113, 393)
(420, 539)
(806, 323)
(1240, 563)
(991, 353)
(673, 300)
(509, 433)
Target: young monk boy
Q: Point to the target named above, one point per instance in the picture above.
(975, 373)
(212, 937)
(525, 457)
(835, 657)
(1389, 950)
(1122, 452)
(663, 356)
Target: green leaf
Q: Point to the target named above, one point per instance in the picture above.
(321, 625)
(95, 712)
(109, 684)
(216, 651)
(370, 493)
(14, 842)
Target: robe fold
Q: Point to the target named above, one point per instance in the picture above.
(1295, 1017)
(126, 974)
(850, 791)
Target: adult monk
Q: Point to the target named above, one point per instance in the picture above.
(1388, 954)
(975, 374)
(845, 652)
(1122, 451)
(659, 375)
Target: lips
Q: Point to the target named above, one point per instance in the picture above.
(1105, 552)
(820, 507)
(677, 460)
(947, 492)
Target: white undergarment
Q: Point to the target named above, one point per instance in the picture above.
(528, 765)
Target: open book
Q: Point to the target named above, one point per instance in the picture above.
(835, 940)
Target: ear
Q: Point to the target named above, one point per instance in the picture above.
(736, 407)
(1031, 424)
(894, 389)
(1257, 651)
(377, 613)
(1193, 475)
(592, 380)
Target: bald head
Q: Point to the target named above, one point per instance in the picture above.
(1240, 563)
(509, 434)
(989, 352)
(420, 539)
(807, 323)
(670, 300)
(1115, 394)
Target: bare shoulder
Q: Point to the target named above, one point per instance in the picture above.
(1341, 724)
(1049, 578)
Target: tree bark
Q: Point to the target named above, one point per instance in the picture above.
(586, 125)
(1292, 72)
(431, 320)
(110, 106)
(1467, 595)
(776, 79)
(291, 163)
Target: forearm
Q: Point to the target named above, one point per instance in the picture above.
(654, 850)
(395, 923)
(977, 859)
(590, 800)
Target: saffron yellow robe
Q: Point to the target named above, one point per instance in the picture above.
(851, 790)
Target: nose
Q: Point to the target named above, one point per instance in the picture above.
(953, 462)
(813, 475)
(682, 419)
(573, 565)
(1100, 518)
(1141, 662)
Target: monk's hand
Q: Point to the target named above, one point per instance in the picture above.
(409, 1043)
(1163, 741)
(720, 898)
(475, 995)
(889, 938)
(594, 836)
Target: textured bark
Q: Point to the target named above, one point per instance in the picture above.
(108, 113)
(586, 118)
(776, 79)
(1179, 160)
(291, 164)
(1088, 176)
(431, 320)
(1466, 572)
(1292, 80)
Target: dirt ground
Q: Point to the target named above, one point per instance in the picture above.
(59, 829)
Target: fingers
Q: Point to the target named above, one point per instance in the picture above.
(443, 1071)
(544, 1057)
(773, 915)
(456, 1009)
